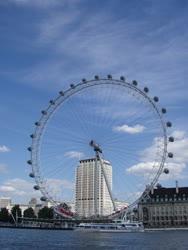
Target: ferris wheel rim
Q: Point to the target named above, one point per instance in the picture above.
(47, 114)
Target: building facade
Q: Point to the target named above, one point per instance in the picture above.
(5, 202)
(91, 193)
(165, 207)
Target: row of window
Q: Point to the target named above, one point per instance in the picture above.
(163, 199)
(168, 223)
(170, 212)
(166, 209)
(170, 218)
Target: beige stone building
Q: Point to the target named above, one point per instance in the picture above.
(165, 207)
(5, 202)
(92, 197)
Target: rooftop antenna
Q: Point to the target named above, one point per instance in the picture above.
(96, 147)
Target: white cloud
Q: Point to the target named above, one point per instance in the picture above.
(38, 3)
(59, 189)
(58, 184)
(51, 30)
(142, 168)
(148, 171)
(128, 129)
(175, 171)
(180, 150)
(21, 190)
(3, 169)
(20, 186)
(102, 38)
(74, 154)
(178, 134)
(4, 149)
(150, 153)
(7, 189)
(177, 165)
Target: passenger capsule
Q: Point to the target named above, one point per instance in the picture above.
(36, 187)
(29, 149)
(170, 155)
(156, 99)
(146, 90)
(84, 80)
(158, 185)
(163, 110)
(166, 170)
(37, 123)
(43, 198)
(31, 175)
(44, 112)
(134, 82)
(122, 78)
(109, 76)
(52, 102)
(171, 139)
(169, 124)
(96, 77)
(61, 93)
(29, 162)
(72, 86)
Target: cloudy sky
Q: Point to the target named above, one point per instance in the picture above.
(46, 45)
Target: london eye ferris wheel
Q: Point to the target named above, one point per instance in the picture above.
(104, 119)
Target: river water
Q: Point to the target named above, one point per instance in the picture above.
(22, 239)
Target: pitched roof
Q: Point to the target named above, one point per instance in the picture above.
(170, 192)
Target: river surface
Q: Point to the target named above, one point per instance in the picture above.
(22, 239)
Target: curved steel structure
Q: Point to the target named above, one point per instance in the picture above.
(54, 105)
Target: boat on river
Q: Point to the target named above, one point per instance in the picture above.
(114, 227)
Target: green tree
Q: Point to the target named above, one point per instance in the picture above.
(15, 212)
(4, 215)
(29, 213)
(45, 213)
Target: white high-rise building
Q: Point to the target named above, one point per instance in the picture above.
(92, 196)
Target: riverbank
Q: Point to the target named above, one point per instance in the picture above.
(47, 227)
(40, 227)
(167, 229)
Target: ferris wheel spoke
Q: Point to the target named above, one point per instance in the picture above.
(126, 122)
(65, 133)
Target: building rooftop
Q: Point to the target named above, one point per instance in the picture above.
(170, 192)
(93, 159)
(87, 160)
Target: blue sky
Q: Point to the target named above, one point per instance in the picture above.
(46, 45)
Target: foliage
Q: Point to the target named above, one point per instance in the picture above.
(45, 213)
(16, 212)
(29, 213)
(4, 215)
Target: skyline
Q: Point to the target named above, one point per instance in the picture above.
(53, 44)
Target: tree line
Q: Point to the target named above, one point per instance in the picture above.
(6, 216)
